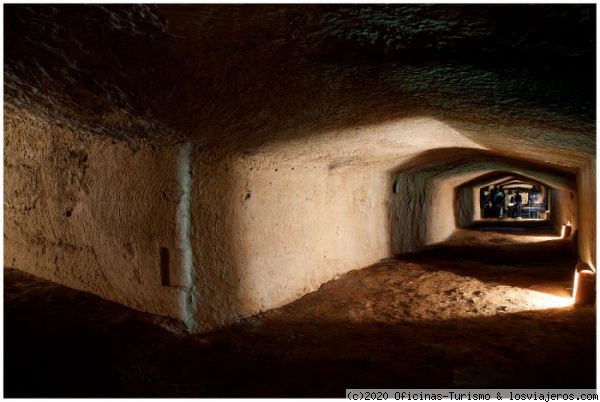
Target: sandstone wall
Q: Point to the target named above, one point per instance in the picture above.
(93, 214)
(272, 225)
(586, 212)
(422, 212)
(267, 231)
(564, 210)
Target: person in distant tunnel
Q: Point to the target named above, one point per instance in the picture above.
(519, 204)
(486, 205)
(498, 203)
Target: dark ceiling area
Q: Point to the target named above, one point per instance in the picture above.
(237, 75)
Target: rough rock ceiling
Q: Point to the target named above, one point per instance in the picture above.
(237, 76)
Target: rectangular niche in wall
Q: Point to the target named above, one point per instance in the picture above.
(171, 267)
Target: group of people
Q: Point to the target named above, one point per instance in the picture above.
(498, 204)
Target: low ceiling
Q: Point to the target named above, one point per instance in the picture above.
(237, 76)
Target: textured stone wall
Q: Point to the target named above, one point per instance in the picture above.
(586, 213)
(271, 226)
(91, 213)
(563, 209)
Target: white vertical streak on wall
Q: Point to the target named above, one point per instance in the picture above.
(184, 221)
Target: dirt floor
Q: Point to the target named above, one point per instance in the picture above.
(486, 309)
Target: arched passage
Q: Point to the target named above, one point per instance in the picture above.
(436, 192)
(558, 192)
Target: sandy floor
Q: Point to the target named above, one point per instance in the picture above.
(487, 309)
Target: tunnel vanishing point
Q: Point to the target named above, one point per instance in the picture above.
(208, 162)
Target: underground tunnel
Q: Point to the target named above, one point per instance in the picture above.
(297, 186)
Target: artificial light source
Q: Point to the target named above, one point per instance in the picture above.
(541, 300)
(584, 284)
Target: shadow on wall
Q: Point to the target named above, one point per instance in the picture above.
(418, 203)
(214, 298)
(420, 211)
